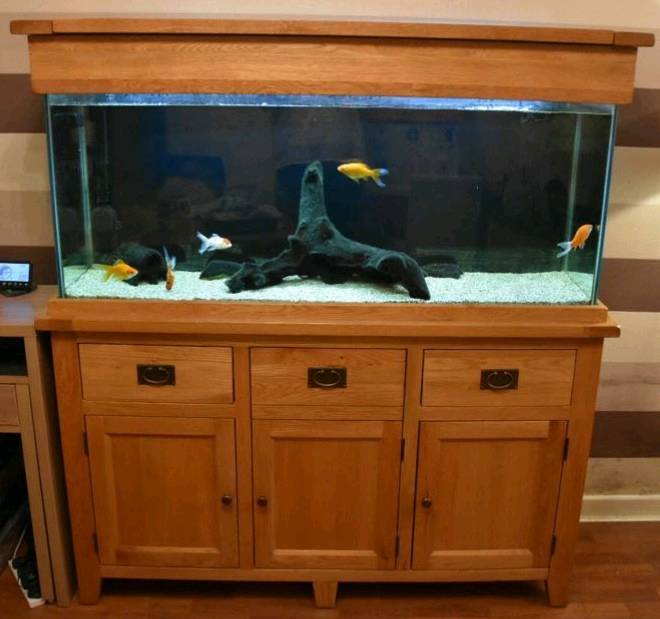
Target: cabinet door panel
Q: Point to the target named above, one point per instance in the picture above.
(331, 492)
(487, 493)
(158, 485)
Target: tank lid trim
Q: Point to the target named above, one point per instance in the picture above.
(337, 101)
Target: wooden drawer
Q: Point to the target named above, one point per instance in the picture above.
(8, 406)
(373, 377)
(114, 372)
(460, 377)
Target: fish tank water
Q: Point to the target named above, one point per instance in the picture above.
(328, 198)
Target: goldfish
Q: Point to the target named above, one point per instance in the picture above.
(170, 261)
(119, 270)
(212, 243)
(577, 241)
(360, 171)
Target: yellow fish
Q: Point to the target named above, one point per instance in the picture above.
(119, 270)
(360, 171)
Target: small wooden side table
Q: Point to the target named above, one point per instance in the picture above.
(28, 408)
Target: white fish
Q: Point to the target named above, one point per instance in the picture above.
(212, 243)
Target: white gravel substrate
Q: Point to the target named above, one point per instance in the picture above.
(548, 287)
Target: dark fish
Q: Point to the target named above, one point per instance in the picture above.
(150, 263)
(219, 268)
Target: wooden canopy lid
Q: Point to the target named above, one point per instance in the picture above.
(429, 29)
(330, 57)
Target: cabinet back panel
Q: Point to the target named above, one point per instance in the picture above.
(8, 406)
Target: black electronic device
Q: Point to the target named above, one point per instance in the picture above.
(15, 277)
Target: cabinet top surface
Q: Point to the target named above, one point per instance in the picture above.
(329, 320)
(18, 314)
(297, 26)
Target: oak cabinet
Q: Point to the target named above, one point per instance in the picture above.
(164, 491)
(326, 493)
(376, 471)
(487, 493)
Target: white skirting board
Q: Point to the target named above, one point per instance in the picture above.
(620, 508)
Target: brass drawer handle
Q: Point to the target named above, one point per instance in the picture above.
(499, 380)
(326, 378)
(155, 375)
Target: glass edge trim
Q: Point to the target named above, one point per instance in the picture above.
(342, 101)
(604, 206)
(423, 103)
(53, 197)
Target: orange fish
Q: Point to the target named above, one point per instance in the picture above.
(170, 261)
(119, 270)
(577, 241)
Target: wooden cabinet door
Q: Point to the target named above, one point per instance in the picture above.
(326, 493)
(158, 486)
(487, 493)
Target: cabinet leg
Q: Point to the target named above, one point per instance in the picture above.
(325, 593)
(556, 589)
(89, 592)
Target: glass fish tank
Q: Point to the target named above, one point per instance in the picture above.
(329, 198)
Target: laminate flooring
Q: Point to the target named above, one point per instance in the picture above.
(616, 576)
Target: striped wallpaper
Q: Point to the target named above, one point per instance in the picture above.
(626, 450)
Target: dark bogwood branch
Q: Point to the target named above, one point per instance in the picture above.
(318, 249)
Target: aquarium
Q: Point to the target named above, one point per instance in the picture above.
(328, 198)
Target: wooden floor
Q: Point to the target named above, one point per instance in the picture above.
(617, 576)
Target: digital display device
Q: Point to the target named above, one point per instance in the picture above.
(15, 276)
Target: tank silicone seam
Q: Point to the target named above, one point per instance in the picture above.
(88, 247)
(605, 205)
(575, 164)
(293, 100)
(53, 197)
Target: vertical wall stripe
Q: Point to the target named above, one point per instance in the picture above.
(21, 110)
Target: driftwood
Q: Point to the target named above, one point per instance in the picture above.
(318, 249)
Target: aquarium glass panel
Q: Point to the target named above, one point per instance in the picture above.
(329, 199)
